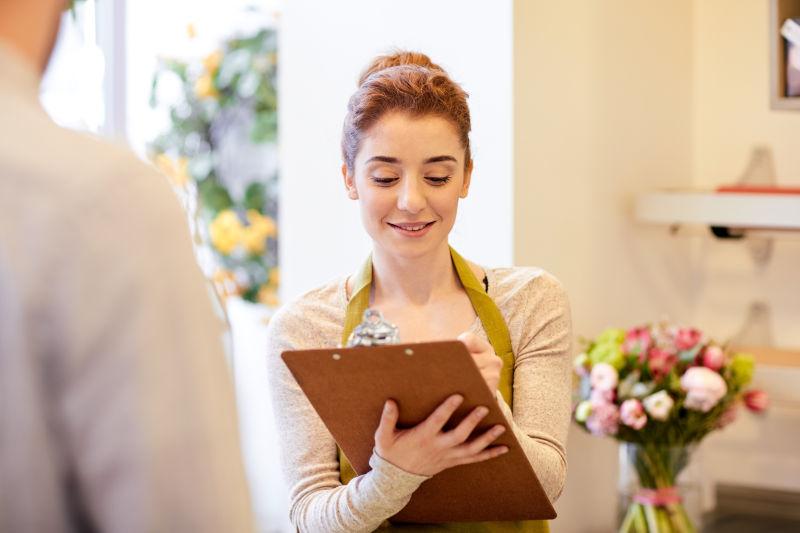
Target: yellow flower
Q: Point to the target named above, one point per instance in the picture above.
(176, 171)
(264, 225)
(212, 61)
(275, 276)
(268, 296)
(226, 231)
(225, 283)
(204, 87)
(253, 241)
(256, 234)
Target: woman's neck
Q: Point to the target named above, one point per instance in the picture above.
(413, 281)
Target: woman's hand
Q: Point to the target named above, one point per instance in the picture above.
(488, 363)
(427, 450)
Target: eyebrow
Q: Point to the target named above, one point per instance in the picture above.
(394, 160)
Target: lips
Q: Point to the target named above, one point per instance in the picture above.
(411, 226)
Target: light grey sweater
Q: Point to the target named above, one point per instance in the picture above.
(536, 310)
(117, 412)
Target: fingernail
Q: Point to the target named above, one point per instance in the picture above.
(457, 399)
(387, 406)
(503, 449)
(482, 411)
(499, 430)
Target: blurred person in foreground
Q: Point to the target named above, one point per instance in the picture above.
(116, 407)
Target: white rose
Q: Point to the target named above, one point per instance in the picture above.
(658, 405)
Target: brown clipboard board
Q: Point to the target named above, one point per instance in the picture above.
(348, 388)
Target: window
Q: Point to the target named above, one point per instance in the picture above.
(72, 89)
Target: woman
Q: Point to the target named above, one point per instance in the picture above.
(407, 162)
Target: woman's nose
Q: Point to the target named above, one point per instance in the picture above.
(411, 197)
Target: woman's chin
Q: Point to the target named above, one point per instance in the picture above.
(411, 248)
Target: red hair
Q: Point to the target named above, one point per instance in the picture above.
(407, 82)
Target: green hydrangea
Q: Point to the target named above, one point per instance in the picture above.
(608, 352)
(742, 368)
(612, 335)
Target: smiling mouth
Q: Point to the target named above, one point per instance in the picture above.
(412, 227)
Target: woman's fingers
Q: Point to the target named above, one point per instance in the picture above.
(464, 429)
(474, 343)
(436, 420)
(481, 442)
(485, 455)
(388, 423)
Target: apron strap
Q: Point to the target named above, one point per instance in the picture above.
(493, 323)
(359, 300)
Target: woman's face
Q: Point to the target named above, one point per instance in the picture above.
(408, 177)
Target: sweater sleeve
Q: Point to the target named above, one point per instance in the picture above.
(541, 331)
(319, 502)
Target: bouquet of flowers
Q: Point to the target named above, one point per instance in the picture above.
(661, 388)
(219, 151)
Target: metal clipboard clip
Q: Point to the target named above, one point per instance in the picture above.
(373, 331)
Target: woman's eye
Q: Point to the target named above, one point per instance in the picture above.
(380, 180)
(438, 180)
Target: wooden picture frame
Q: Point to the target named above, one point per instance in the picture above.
(780, 10)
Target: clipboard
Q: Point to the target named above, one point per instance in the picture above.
(348, 388)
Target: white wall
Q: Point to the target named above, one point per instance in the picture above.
(602, 107)
(324, 46)
(616, 98)
(731, 116)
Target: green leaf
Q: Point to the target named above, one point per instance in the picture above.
(266, 99)
(687, 356)
(200, 166)
(674, 382)
(213, 196)
(255, 196)
(251, 294)
(180, 68)
(233, 66)
(153, 102)
(265, 127)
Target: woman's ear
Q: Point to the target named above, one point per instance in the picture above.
(349, 183)
(467, 181)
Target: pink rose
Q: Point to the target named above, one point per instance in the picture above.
(704, 388)
(687, 338)
(632, 414)
(756, 400)
(598, 396)
(637, 340)
(603, 420)
(604, 377)
(661, 361)
(713, 357)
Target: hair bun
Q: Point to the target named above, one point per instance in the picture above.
(396, 59)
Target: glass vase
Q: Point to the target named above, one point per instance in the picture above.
(657, 496)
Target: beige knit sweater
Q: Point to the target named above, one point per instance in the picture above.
(536, 310)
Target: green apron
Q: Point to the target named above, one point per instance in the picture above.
(496, 330)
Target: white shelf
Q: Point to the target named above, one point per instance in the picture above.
(732, 210)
